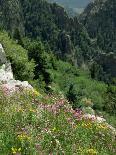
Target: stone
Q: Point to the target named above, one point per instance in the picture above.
(8, 84)
(6, 73)
(3, 59)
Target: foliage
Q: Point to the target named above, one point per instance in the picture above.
(31, 123)
(51, 24)
(46, 40)
(23, 69)
(99, 18)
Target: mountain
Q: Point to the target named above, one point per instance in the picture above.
(34, 122)
(76, 5)
(70, 68)
(73, 3)
(99, 18)
(66, 36)
(81, 41)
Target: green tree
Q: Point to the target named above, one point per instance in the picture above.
(17, 37)
(37, 51)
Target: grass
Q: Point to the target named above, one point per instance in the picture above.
(34, 124)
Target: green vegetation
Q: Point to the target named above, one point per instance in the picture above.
(36, 63)
(99, 18)
(72, 65)
(18, 56)
(31, 123)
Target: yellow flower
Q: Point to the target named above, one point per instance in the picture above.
(15, 150)
(20, 110)
(32, 110)
(87, 125)
(55, 129)
(19, 149)
(23, 136)
(36, 93)
(102, 126)
(91, 152)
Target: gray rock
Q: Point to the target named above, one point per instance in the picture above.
(7, 82)
(3, 59)
(6, 73)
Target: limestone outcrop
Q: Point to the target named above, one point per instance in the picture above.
(3, 59)
(7, 82)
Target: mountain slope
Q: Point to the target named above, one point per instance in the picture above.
(11, 16)
(100, 20)
(49, 22)
(75, 5)
(35, 123)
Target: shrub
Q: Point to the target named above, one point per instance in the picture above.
(23, 69)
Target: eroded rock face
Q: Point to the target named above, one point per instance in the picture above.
(6, 73)
(8, 84)
(3, 59)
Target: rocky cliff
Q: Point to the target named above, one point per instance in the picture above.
(8, 83)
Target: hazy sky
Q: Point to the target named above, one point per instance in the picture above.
(73, 3)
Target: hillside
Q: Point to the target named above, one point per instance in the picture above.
(66, 37)
(99, 19)
(33, 123)
(57, 79)
(100, 22)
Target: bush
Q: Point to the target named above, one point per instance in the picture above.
(23, 69)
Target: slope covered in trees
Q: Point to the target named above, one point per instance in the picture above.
(49, 22)
(66, 37)
(76, 5)
(99, 18)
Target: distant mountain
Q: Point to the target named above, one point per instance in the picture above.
(76, 5)
(99, 18)
(73, 3)
(50, 22)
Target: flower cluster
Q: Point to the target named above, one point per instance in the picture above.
(91, 152)
(36, 93)
(23, 136)
(15, 150)
(102, 126)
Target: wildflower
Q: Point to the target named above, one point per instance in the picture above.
(55, 129)
(23, 136)
(15, 150)
(91, 152)
(102, 126)
(20, 110)
(87, 125)
(36, 93)
(32, 110)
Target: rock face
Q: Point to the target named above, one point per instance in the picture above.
(6, 73)
(3, 59)
(7, 82)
